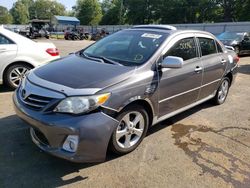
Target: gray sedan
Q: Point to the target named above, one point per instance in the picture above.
(107, 95)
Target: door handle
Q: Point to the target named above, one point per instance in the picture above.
(2, 50)
(223, 61)
(198, 69)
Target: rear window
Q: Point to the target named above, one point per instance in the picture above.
(5, 40)
(207, 46)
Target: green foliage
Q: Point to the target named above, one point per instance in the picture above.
(5, 16)
(112, 11)
(179, 11)
(89, 12)
(45, 9)
(20, 13)
(243, 10)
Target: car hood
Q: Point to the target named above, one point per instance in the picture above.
(229, 42)
(80, 73)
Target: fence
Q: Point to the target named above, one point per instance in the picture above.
(214, 28)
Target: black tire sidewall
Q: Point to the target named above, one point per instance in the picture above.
(114, 146)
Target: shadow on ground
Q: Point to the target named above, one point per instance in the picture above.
(22, 164)
(4, 89)
(244, 69)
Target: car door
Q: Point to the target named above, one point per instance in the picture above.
(214, 64)
(180, 87)
(8, 51)
(245, 45)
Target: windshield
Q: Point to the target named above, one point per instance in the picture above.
(231, 36)
(127, 47)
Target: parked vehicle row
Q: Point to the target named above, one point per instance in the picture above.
(79, 34)
(240, 41)
(19, 54)
(107, 95)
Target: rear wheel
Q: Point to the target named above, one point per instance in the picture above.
(15, 74)
(132, 128)
(222, 92)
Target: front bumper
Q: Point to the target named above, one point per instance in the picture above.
(94, 131)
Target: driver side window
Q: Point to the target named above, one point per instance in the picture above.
(184, 48)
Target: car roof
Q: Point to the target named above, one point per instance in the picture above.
(167, 29)
(17, 38)
(161, 27)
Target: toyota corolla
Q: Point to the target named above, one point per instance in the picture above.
(107, 95)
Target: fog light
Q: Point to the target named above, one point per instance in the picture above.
(71, 143)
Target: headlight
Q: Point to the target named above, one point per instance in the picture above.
(81, 104)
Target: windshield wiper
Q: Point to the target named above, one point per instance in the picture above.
(102, 58)
(110, 61)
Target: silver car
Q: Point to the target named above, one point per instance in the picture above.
(108, 95)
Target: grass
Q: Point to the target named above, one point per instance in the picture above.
(57, 36)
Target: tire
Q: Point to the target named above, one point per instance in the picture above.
(130, 136)
(222, 91)
(18, 71)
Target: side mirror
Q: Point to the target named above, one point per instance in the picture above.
(172, 62)
(246, 38)
(230, 48)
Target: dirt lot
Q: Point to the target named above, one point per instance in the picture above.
(207, 146)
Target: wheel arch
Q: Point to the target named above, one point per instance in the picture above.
(229, 75)
(146, 104)
(15, 63)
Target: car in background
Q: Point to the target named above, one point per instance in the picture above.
(19, 54)
(108, 94)
(240, 41)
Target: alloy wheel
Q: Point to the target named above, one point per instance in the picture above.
(17, 74)
(223, 90)
(130, 129)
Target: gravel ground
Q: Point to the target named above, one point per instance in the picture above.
(207, 146)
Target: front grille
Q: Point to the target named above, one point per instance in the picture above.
(41, 138)
(35, 101)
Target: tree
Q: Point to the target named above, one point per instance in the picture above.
(112, 11)
(5, 16)
(243, 12)
(137, 11)
(89, 12)
(20, 13)
(44, 9)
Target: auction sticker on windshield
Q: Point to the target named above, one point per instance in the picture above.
(150, 35)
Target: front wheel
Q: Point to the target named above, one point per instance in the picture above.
(222, 92)
(132, 128)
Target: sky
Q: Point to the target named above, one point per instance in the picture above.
(67, 3)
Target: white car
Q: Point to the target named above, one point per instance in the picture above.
(19, 54)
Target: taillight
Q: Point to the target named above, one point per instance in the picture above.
(53, 51)
(236, 59)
